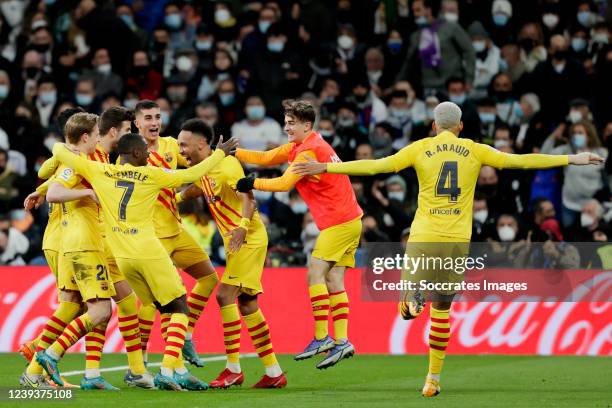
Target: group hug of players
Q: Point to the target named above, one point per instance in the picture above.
(114, 231)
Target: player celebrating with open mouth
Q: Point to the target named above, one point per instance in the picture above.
(334, 208)
(246, 243)
(447, 168)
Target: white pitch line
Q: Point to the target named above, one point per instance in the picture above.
(124, 367)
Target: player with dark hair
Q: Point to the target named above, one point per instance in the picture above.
(246, 241)
(335, 211)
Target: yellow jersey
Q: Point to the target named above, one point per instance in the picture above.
(127, 195)
(167, 218)
(219, 188)
(81, 225)
(447, 168)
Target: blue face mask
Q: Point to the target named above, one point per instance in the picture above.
(255, 112)
(503, 65)
(580, 140)
(173, 21)
(127, 19)
(165, 118)
(263, 26)
(48, 97)
(421, 21)
(203, 45)
(83, 99)
(4, 90)
(584, 18)
(500, 19)
(487, 117)
(50, 2)
(394, 45)
(578, 44)
(457, 99)
(226, 98)
(276, 46)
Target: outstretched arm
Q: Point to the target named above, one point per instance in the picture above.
(282, 183)
(494, 158)
(57, 193)
(80, 165)
(272, 157)
(394, 163)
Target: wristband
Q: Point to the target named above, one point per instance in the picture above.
(244, 223)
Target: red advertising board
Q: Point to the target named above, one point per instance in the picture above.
(28, 297)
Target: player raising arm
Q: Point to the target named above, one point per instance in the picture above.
(447, 168)
(127, 194)
(332, 203)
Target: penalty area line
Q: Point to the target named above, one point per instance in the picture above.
(125, 367)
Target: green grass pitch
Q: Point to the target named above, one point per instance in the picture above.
(363, 381)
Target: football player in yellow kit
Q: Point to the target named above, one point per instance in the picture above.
(447, 168)
(182, 248)
(127, 195)
(246, 244)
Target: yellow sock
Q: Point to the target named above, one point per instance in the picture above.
(146, 319)
(231, 332)
(65, 313)
(319, 299)
(198, 298)
(339, 303)
(165, 322)
(129, 328)
(439, 334)
(78, 328)
(260, 336)
(94, 343)
(177, 328)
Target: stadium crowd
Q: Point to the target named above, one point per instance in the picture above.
(528, 76)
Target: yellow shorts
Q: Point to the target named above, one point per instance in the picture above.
(184, 250)
(339, 243)
(244, 269)
(88, 273)
(113, 270)
(441, 254)
(153, 280)
(52, 258)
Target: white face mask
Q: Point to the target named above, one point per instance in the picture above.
(586, 220)
(396, 195)
(575, 116)
(451, 17)
(184, 64)
(104, 68)
(481, 215)
(345, 42)
(501, 143)
(506, 233)
(222, 16)
(299, 207)
(550, 20)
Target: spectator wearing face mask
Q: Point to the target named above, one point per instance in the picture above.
(182, 30)
(371, 110)
(457, 92)
(392, 205)
(483, 222)
(488, 57)
(347, 126)
(494, 187)
(507, 108)
(591, 219)
(177, 93)
(511, 62)
(13, 243)
(505, 243)
(257, 131)
(343, 147)
(105, 80)
(558, 80)
(142, 78)
(545, 249)
(487, 114)
(532, 132)
(443, 49)
(578, 185)
(225, 26)
(394, 51)
(405, 112)
(276, 73)
(255, 42)
(46, 101)
(381, 139)
(501, 22)
(531, 42)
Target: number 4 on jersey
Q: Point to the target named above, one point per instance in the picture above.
(448, 185)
